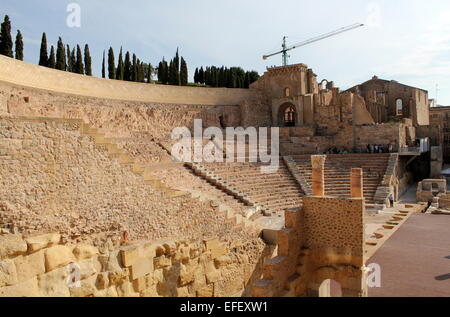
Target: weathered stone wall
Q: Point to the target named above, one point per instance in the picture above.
(33, 76)
(116, 118)
(42, 266)
(56, 179)
(383, 134)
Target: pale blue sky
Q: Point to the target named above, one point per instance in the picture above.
(405, 40)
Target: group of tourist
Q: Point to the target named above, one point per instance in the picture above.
(335, 150)
(379, 148)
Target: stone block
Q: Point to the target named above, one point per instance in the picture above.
(85, 289)
(85, 252)
(162, 262)
(42, 241)
(186, 276)
(25, 289)
(212, 274)
(55, 283)
(108, 292)
(126, 290)
(141, 268)
(183, 292)
(207, 291)
(216, 248)
(222, 261)
(118, 277)
(30, 266)
(102, 280)
(87, 268)
(58, 256)
(12, 245)
(140, 284)
(132, 254)
(8, 273)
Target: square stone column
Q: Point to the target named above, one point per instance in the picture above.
(318, 177)
(356, 183)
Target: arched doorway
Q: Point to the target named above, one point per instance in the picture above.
(287, 116)
(330, 288)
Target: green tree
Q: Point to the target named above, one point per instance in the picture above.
(111, 64)
(134, 69)
(73, 61)
(163, 72)
(120, 67)
(196, 76)
(69, 64)
(51, 63)
(127, 67)
(6, 43)
(104, 66)
(43, 57)
(176, 69)
(184, 76)
(201, 76)
(19, 46)
(79, 64)
(87, 61)
(60, 55)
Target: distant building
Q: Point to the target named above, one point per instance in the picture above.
(440, 117)
(387, 100)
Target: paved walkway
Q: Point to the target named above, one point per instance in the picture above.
(415, 261)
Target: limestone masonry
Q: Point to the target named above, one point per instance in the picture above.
(92, 203)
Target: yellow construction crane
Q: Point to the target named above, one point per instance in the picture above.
(285, 49)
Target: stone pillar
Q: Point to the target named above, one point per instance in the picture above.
(356, 183)
(318, 178)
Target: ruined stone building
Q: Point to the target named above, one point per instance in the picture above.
(387, 100)
(88, 182)
(440, 120)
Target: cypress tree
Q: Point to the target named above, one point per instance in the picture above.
(134, 69)
(120, 67)
(60, 56)
(196, 76)
(176, 71)
(6, 43)
(51, 63)
(141, 72)
(201, 76)
(87, 61)
(162, 72)
(127, 67)
(43, 58)
(73, 61)
(19, 46)
(171, 73)
(103, 66)
(79, 64)
(183, 73)
(111, 64)
(69, 66)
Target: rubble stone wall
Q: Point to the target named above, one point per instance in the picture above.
(42, 266)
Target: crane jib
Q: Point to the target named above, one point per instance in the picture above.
(312, 40)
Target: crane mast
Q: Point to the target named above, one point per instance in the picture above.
(285, 49)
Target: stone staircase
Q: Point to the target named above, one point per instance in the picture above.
(101, 142)
(337, 172)
(269, 193)
(284, 275)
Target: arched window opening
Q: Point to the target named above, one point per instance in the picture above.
(289, 117)
(330, 288)
(287, 92)
(399, 105)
